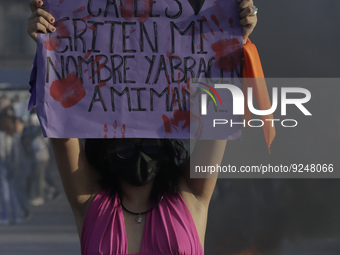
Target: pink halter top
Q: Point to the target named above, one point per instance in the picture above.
(169, 228)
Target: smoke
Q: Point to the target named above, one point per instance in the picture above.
(258, 216)
(276, 216)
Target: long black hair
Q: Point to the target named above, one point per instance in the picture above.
(166, 181)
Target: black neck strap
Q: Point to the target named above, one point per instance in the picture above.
(134, 213)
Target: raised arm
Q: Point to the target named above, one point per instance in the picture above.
(205, 153)
(210, 153)
(78, 177)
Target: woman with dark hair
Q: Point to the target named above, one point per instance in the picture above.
(106, 155)
(135, 195)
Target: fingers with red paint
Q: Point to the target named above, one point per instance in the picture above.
(247, 20)
(40, 20)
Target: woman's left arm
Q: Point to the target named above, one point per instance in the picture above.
(206, 153)
(210, 153)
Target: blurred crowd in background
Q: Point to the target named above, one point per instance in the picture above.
(26, 165)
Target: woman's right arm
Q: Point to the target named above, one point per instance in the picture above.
(78, 177)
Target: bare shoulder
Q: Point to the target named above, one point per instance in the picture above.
(81, 213)
(197, 208)
(190, 198)
(79, 179)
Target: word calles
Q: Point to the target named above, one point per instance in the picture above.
(238, 100)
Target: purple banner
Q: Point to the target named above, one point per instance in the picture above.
(123, 68)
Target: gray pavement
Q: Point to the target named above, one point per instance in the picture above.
(50, 230)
